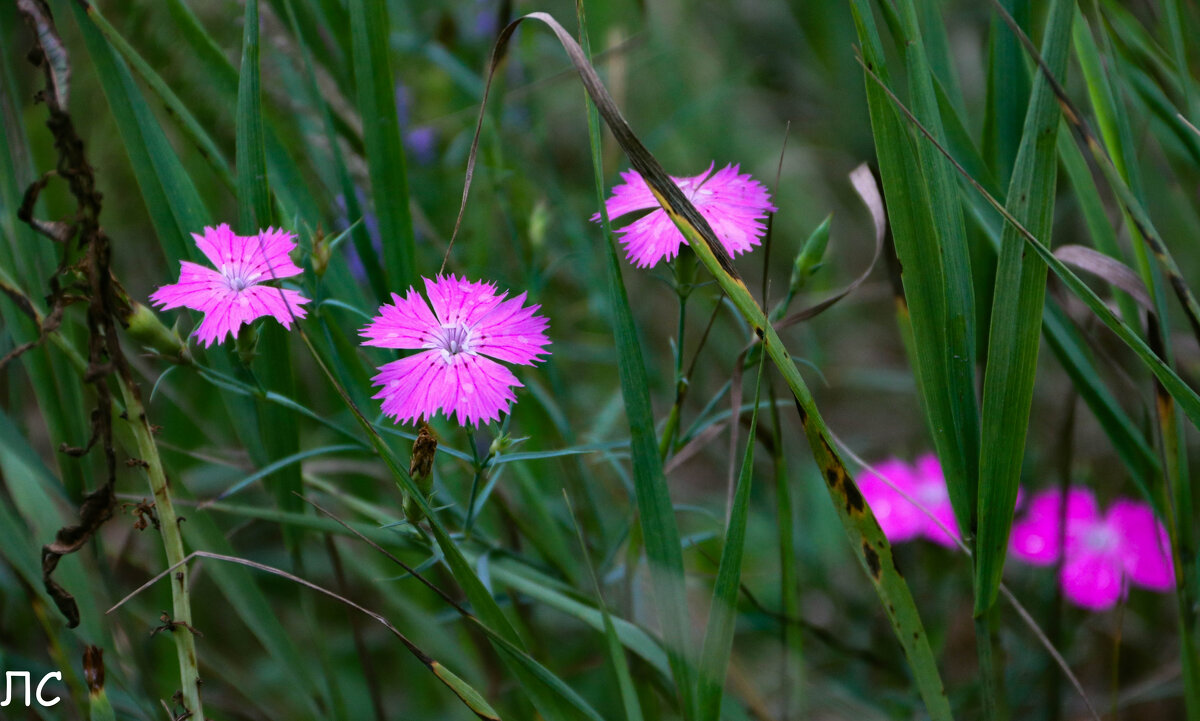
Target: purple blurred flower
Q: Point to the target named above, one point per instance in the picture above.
(1102, 550)
(421, 142)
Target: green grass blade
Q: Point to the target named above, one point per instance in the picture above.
(924, 276)
(187, 121)
(871, 547)
(1016, 317)
(722, 614)
(660, 534)
(1007, 92)
(358, 232)
(254, 196)
(26, 256)
(959, 446)
(279, 432)
(370, 31)
(616, 653)
(552, 698)
(171, 199)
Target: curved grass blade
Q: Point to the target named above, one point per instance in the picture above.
(870, 545)
(1121, 187)
(656, 515)
(552, 698)
(468, 695)
(283, 463)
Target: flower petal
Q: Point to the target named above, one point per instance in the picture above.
(280, 303)
(897, 516)
(929, 489)
(650, 239)
(260, 257)
(413, 387)
(633, 194)
(198, 288)
(1145, 547)
(404, 323)
(1092, 580)
(472, 388)
(1036, 537)
(512, 332)
(221, 318)
(267, 255)
(733, 203)
(481, 391)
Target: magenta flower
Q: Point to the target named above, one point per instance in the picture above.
(234, 293)
(468, 327)
(734, 205)
(899, 517)
(1102, 550)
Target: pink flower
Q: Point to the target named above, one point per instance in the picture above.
(234, 293)
(900, 519)
(734, 205)
(1101, 550)
(468, 326)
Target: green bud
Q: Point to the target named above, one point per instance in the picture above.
(247, 343)
(539, 222)
(321, 252)
(809, 258)
(148, 330)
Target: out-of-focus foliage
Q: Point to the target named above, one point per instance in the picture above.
(362, 101)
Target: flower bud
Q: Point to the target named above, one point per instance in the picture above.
(809, 258)
(247, 343)
(148, 330)
(321, 253)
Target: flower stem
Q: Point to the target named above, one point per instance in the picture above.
(685, 277)
(181, 613)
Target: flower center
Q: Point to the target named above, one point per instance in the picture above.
(931, 494)
(455, 339)
(237, 279)
(1099, 538)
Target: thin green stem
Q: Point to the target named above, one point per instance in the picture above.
(164, 506)
(685, 277)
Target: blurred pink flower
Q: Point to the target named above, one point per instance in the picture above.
(234, 293)
(900, 519)
(468, 326)
(1102, 550)
(733, 203)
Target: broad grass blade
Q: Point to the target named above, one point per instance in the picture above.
(722, 614)
(370, 30)
(1017, 309)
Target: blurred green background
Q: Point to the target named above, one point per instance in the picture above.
(699, 82)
